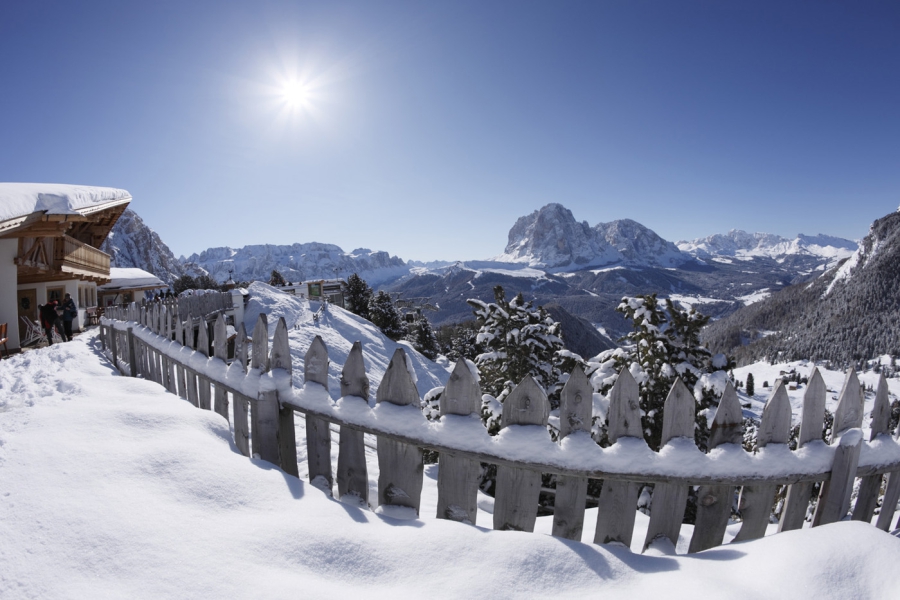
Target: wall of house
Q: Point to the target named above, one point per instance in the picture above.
(9, 311)
(70, 286)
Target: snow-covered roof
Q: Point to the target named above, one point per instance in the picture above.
(23, 199)
(122, 279)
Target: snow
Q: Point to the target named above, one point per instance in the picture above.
(754, 297)
(746, 246)
(131, 278)
(21, 199)
(338, 328)
(111, 487)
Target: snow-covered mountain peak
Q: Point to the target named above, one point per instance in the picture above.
(132, 244)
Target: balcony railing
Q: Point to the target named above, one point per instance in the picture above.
(72, 256)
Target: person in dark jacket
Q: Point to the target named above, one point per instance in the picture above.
(70, 311)
(49, 319)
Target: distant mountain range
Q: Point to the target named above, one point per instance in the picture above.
(550, 256)
(850, 313)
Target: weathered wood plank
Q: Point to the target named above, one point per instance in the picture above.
(280, 358)
(352, 472)
(401, 465)
(618, 499)
(756, 500)
(834, 501)
(848, 416)
(670, 500)
(714, 502)
(241, 427)
(812, 422)
(220, 350)
(318, 434)
(889, 504)
(458, 476)
(869, 487)
(132, 353)
(518, 490)
(259, 359)
(203, 395)
(575, 412)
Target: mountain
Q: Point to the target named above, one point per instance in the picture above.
(552, 239)
(744, 246)
(851, 312)
(132, 244)
(297, 262)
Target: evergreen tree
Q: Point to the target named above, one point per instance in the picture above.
(276, 279)
(386, 317)
(664, 344)
(357, 296)
(423, 339)
(751, 389)
(516, 340)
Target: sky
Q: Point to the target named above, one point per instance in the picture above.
(427, 128)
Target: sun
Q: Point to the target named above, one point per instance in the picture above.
(294, 93)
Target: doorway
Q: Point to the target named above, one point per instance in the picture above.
(27, 303)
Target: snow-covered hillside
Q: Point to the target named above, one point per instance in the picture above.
(110, 487)
(338, 329)
(551, 238)
(297, 262)
(742, 245)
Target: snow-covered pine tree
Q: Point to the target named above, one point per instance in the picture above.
(386, 317)
(664, 344)
(276, 279)
(515, 340)
(357, 296)
(751, 385)
(423, 339)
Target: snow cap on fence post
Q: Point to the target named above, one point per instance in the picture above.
(315, 363)
(397, 385)
(280, 357)
(462, 394)
(849, 411)
(526, 405)
(624, 408)
(354, 381)
(259, 358)
(576, 404)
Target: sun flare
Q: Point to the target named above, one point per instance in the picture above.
(294, 93)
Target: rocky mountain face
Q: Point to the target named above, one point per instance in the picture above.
(296, 262)
(852, 312)
(132, 244)
(551, 238)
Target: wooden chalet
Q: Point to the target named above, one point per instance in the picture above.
(50, 238)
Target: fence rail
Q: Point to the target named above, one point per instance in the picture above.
(166, 343)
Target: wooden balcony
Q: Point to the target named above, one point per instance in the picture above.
(60, 257)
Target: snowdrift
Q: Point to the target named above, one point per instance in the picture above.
(110, 487)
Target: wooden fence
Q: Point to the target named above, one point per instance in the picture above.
(160, 344)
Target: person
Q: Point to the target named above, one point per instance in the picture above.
(48, 320)
(70, 312)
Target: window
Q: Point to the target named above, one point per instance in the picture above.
(55, 293)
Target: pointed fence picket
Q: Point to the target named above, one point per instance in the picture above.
(159, 343)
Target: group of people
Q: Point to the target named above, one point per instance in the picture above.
(53, 312)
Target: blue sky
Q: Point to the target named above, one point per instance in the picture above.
(426, 128)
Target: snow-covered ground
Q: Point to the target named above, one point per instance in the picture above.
(111, 488)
